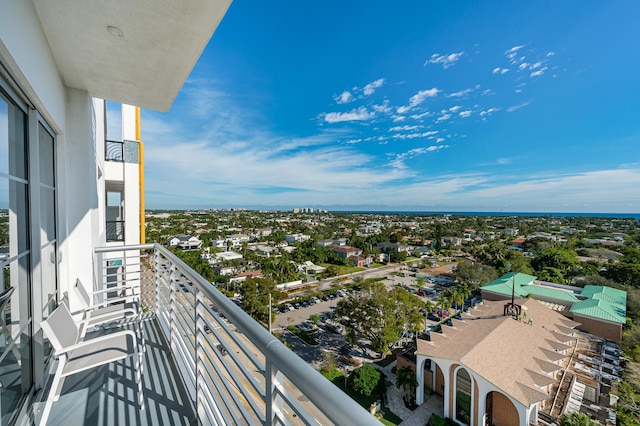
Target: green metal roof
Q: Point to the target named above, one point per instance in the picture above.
(504, 284)
(600, 309)
(552, 293)
(608, 294)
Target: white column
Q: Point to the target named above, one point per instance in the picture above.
(78, 195)
(420, 360)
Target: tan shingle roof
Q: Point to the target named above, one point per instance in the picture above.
(552, 355)
(511, 354)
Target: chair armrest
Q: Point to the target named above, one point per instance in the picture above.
(99, 339)
(119, 288)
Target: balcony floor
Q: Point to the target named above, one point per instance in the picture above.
(108, 395)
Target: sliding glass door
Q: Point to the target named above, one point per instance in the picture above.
(28, 249)
(16, 374)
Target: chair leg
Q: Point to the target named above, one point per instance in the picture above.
(137, 362)
(54, 392)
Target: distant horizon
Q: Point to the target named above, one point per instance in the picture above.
(616, 215)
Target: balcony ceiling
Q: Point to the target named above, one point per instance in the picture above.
(138, 52)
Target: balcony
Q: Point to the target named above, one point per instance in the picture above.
(115, 230)
(206, 361)
(114, 151)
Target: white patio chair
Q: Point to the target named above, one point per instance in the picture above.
(75, 355)
(119, 309)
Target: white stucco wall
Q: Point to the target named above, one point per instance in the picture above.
(80, 196)
(25, 51)
(484, 387)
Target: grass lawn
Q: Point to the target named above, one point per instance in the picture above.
(344, 270)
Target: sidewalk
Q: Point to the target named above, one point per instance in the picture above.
(421, 415)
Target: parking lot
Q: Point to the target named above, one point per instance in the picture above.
(330, 340)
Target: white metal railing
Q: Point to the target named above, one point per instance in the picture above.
(235, 371)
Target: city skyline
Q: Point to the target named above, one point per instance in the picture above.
(427, 107)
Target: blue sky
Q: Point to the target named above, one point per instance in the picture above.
(432, 106)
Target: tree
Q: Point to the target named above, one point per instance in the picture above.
(559, 263)
(255, 293)
(474, 275)
(365, 379)
(624, 273)
(575, 419)
(379, 316)
(406, 380)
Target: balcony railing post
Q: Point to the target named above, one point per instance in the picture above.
(273, 399)
(100, 271)
(172, 306)
(199, 340)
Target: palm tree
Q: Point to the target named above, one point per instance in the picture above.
(458, 298)
(576, 419)
(464, 291)
(406, 380)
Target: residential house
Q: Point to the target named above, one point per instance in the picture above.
(185, 242)
(296, 238)
(244, 275)
(346, 251)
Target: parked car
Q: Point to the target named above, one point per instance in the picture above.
(222, 349)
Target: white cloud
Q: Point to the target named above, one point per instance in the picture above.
(522, 66)
(370, 88)
(418, 98)
(445, 60)
(500, 70)
(503, 161)
(539, 72)
(344, 98)
(536, 65)
(405, 128)
(356, 114)
(465, 114)
(443, 117)
(424, 150)
(399, 118)
(421, 115)
(440, 140)
(415, 135)
(384, 108)
(550, 54)
(517, 107)
(454, 108)
(460, 93)
(489, 111)
(513, 53)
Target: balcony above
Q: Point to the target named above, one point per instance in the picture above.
(133, 52)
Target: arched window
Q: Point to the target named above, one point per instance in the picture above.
(463, 396)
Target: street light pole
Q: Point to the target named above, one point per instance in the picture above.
(270, 312)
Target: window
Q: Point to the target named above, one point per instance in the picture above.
(115, 215)
(463, 396)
